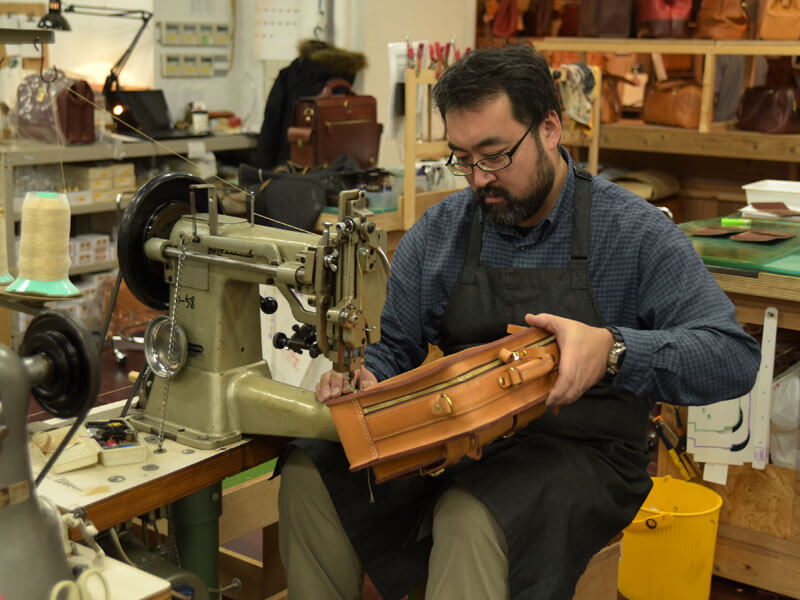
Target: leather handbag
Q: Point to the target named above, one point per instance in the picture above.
(605, 18)
(673, 102)
(779, 20)
(722, 20)
(663, 18)
(431, 417)
(329, 125)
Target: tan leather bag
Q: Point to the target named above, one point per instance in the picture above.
(430, 417)
(779, 20)
(673, 102)
(722, 20)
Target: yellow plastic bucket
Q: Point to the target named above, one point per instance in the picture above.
(668, 549)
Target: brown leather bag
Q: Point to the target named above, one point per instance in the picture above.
(779, 20)
(772, 107)
(673, 102)
(327, 126)
(76, 112)
(722, 20)
(429, 418)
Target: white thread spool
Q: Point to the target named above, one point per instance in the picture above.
(5, 276)
(44, 246)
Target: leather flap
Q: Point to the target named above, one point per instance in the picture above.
(299, 134)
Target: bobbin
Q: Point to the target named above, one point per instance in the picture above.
(29, 281)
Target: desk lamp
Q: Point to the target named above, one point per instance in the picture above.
(54, 19)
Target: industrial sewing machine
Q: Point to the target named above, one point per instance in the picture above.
(57, 362)
(178, 254)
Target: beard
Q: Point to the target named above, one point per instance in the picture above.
(518, 209)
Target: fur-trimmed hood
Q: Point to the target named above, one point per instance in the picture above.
(332, 57)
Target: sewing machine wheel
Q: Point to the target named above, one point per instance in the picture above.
(74, 361)
(154, 209)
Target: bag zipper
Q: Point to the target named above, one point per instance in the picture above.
(471, 374)
(330, 124)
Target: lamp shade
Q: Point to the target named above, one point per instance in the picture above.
(54, 19)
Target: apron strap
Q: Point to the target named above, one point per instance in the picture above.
(581, 216)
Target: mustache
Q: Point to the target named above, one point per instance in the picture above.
(491, 190)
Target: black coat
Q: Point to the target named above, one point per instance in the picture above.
(303, 77)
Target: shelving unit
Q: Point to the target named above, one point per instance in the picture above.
(413, 204)
(25, 153)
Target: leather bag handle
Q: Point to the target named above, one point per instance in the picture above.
(333, 84)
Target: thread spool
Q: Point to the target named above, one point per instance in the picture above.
(5, 276)
(44, 247)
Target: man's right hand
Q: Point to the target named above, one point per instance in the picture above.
(332, 384)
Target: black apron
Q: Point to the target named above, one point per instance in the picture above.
(560, 489)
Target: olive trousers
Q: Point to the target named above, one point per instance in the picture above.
(468, 559)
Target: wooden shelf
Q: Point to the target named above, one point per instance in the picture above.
(721, 141)
(668, 46)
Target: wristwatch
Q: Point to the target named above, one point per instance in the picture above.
(617, 353)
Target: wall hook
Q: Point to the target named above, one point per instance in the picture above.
(40, 49)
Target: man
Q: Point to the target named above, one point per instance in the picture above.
(532, 240)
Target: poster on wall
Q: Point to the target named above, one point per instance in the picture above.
(279, 26)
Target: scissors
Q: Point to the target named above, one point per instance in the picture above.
(79, 590)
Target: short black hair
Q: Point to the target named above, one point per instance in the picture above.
(518, 71)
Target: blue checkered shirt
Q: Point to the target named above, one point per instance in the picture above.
(684, 345)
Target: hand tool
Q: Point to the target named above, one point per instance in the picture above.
(658, 423)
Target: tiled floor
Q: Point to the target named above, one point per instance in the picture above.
(115, 386)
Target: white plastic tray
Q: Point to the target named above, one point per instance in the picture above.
(774, 190)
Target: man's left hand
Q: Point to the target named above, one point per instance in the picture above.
(584, 355)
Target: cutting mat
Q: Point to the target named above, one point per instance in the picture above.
(781, 256)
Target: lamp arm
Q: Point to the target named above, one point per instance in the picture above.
(111, 82)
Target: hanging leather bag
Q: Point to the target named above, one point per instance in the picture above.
(76, 112)
(329, 125)
(673, 102)
(779, 20)
(663, 18)
(722, 20)
(429, 418)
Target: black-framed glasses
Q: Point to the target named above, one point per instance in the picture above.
(492, 163)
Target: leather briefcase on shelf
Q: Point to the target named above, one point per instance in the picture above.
(327, 126)
(429, 418)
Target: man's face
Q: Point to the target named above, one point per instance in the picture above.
(517, 193)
